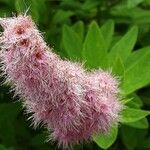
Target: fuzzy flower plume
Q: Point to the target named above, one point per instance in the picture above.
(71, 103)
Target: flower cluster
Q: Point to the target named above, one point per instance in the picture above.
(71, 102)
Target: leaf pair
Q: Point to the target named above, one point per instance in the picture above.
(93, 51)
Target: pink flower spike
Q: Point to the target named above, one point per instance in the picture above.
(71, 102)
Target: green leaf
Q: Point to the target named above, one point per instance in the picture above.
(132, 115)
(72, 43)
(70, 4)
(118, 67)
(89, 4)
(79, 29)
(137, 15)
(62, 16)
(133, 3)
(137, 74)
(94, 48)
(37, 8)
(20, 6)
(136, 101)
(127, 100)
(141, 124)
(105, 141)
(108, 30)
(124, 46)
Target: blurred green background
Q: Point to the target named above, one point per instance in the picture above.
(60, 19)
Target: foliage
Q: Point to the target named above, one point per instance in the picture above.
(102, 34)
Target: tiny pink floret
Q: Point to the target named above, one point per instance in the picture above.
(72, 103)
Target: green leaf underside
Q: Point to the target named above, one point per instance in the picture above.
(106, 140)
(132, 115)
(141, 124)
